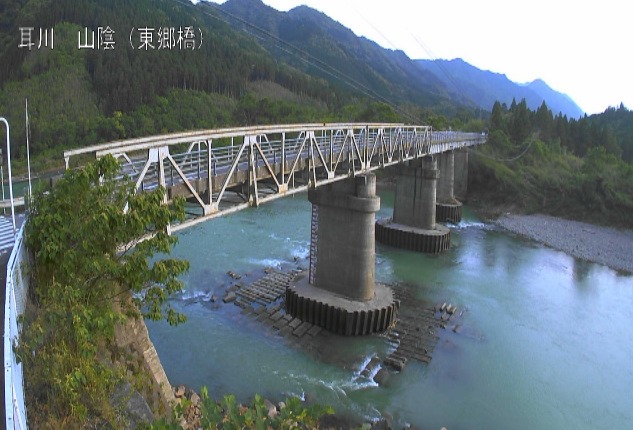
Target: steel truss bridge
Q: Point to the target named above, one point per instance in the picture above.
(226, 170)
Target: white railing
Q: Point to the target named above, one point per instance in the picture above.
(17, 287)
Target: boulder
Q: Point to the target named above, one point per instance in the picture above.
(179, 391)
(132, 406)
(381, 377)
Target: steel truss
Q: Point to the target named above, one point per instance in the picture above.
(226, 170)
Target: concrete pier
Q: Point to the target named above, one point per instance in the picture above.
(340, 293)
(448, 208)
(461, 174)
(414, 226)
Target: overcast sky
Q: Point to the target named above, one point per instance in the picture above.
(582, 49)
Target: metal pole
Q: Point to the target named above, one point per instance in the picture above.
(6, 123)
(4, 211)
(28, 155)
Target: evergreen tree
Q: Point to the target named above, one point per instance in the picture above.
(520, 127)
(497, 121)
(544, 122)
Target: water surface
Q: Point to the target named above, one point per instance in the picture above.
(546, 340)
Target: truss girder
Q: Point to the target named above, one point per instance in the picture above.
(271, 161)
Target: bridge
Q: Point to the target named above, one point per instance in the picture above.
(226, 170)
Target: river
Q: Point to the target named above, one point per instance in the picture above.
(546, 340)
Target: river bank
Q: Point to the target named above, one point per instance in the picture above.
(603, 245)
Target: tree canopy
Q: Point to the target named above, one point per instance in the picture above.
(85, 236)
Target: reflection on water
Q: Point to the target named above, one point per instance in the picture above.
(546, 341)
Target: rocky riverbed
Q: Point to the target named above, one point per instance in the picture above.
(603, 245)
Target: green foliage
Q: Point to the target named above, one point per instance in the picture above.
(566, 168)
(87, 263)
(228, 414)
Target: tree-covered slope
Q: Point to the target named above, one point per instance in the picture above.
(537, 162)
(313, 42)
(79, 97)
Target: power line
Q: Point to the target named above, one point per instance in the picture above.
(503, 160)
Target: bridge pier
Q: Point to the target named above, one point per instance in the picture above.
(447, 208)
(461, 174)
(414, 226)
(340, 292)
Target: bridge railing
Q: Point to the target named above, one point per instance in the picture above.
(17, 286)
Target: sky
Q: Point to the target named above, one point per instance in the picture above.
(579, 50)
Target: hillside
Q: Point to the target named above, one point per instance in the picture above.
(535, 162)
(253, 65)
(79, 97)
(620, 123)
(483, 88)
(317, 44)
(313, 42)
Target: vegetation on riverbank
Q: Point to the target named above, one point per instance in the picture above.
(203, 412)
(86, 264)
(574, 169)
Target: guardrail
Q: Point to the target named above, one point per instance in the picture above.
(17, 286)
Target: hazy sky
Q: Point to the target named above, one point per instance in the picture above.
(582, 49)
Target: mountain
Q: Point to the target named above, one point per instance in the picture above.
(556, 101)
(321, 46)
(79, 97)
(256, 65)
(311, 41)
(470, 84)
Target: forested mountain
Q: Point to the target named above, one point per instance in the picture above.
(249, 64)
(315, 43)
(321, 46)
(470, 84)
(82, 96)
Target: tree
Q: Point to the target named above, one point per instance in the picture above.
(496, 119)
(84, 234)
(544, 122)
(520, 127)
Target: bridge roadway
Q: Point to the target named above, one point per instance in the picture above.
(225, 170)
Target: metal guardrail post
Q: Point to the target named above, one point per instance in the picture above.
(6, 123)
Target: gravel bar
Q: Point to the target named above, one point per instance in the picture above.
(603, 245)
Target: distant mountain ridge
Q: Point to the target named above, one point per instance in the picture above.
(484, 87)
(323, 47)
(311, 41)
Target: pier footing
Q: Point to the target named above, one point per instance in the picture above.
(339, 314)
(449, 212)
(429, 241)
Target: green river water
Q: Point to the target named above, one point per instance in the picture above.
(546, 340)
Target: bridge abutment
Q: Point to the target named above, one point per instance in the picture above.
(340, 292)
(414, 226)
(448, 208)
